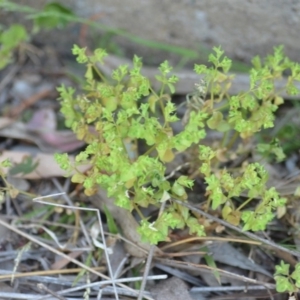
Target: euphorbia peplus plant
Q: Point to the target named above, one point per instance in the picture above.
(122, 111)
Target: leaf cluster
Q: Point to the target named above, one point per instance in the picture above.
(111, 116)
(114, 114)
(286, 282)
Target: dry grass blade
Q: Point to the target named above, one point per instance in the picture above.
(44, 288)
(203, 268)
(17, 296)
(98, 285)
(209, 238)
(47, 272)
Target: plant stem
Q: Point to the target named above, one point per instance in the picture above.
(232, 140)
(244, 204)
(96, 69)
(138, 211)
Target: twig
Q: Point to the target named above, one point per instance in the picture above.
(120, 266)
(30, 101)
(42, 287)
(229, 288)
(146, 272)
(176, 170)
(12, 72)
(236, 228)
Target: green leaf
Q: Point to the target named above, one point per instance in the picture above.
(185, 181)
(120, 73)
(215, 58)
(226, 64)
(282, 269)
(200, 69)
(123, 201)
(78, 178)
(283, 284)
(13, 36)
(296, 275)
(256, 61)
(206, 153)
(112, 226)
(63, 161)
(165, 68)
(89, 72)
(211, 263)
(195, 227)
(25, 167)
(178, 189)
(149, 233)
(99, 55)
(80, 53)
(6, 163)
(257, 221)
(53, 15)
(217, 122)
(9, 40)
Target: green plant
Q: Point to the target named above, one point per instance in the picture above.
(286, 282)
(7, 188)
(120, 119)
(52, 16)
(10, 39)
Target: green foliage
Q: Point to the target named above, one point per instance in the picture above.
(272, 148)
(25, 167)
(115, 114)
(286, 282)
(8, 188)
(10, 39)
(123, 110)
(53, 15)
(211, 263)
(112, 226)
